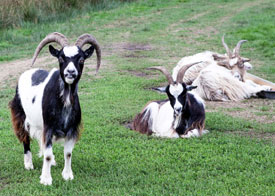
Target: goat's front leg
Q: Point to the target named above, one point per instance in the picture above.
(67, 172)
(46, 177)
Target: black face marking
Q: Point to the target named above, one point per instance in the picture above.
(33, 99)
(39, 76)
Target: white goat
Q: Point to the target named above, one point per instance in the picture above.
(221, 77)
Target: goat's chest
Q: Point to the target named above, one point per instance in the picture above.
(66, 117)
(164, 119)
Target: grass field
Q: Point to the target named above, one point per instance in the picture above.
(236, 158)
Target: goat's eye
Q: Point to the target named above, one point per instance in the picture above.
(61, 60)
(240, 65)
(81, 61)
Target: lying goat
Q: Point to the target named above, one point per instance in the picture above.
(220, 77)
(232, 61)
(46, 104)
(183, 115)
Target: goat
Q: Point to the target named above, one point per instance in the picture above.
(46, 105)
(232, 61)
(221, 77)
(182, 115)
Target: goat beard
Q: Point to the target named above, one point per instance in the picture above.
(177, 120)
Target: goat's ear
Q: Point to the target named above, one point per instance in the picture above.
(88, 53)
(160, 89)
(224, 64)
(190, 87)
(53, 51)
(218, 57)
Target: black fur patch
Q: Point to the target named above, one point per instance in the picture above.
(39, 76)
(193, 116)
(56, 123)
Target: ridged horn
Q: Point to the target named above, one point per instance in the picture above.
(183, 70)
(226, 47)
(52, 37)
(238, 46)
(89, 39)
(165, 72)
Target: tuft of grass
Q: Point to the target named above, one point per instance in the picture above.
(16, 13)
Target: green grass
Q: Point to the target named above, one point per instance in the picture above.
(112, 160)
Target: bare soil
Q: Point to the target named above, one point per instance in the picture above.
(11, 70)
(259, 110)
(255, 135)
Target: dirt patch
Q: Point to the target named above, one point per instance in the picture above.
(12, 70)
(136, 47)
(135, 55)
(139, 74)
(259, 110)
(253, 134)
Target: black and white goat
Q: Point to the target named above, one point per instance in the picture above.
(46, 105)
(183, 115)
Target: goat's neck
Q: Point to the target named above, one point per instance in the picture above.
(68, 93)
(181, 119)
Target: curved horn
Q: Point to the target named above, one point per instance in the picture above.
(183, 70)
(52, 37)
(226, 47)
(165, 72)
(89, 39)
(238, 46)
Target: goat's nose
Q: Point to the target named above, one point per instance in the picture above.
(71, 71)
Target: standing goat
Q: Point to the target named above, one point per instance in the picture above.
(46, 105)
(221, 77)
(183, 115)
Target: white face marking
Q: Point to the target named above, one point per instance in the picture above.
(70, 73)
(232, 62)
(176, 90)
(70, 51)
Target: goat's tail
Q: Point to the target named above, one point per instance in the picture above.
(18, 118)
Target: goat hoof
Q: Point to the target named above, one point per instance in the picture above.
(53, 163)
(67, 175)
(28, 161)
(28, 166)
(46, 180)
